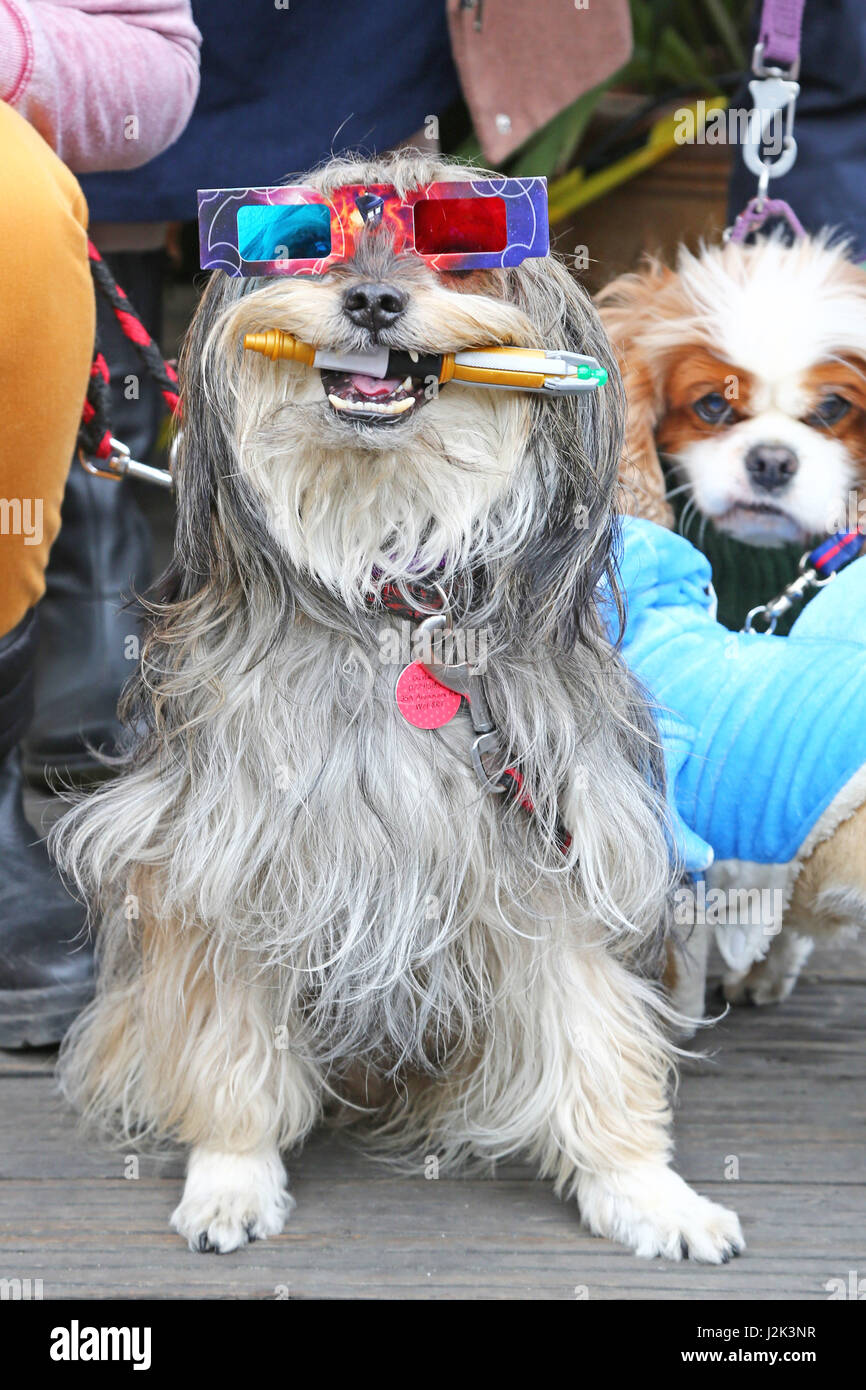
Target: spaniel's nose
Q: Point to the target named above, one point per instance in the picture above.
(771, 466)
(374, 306)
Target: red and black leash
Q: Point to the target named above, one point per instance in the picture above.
(94, 436)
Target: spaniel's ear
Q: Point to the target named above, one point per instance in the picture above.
(627, 305)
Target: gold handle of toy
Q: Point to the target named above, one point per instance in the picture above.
(278, 345)
(493, 374)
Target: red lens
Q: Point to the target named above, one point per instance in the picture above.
(457, 226)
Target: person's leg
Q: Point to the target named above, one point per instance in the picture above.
(89, 632)
(46, 344)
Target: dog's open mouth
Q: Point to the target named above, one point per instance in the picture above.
(373, 400)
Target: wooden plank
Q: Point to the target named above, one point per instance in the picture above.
(399, 1238)
(37, 1061)
(783, 1093)
(799, 1132)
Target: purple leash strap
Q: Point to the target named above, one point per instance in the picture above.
(779, 36)
(758, 211)
(775, 63)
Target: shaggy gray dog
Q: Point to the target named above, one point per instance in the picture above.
(302, 899)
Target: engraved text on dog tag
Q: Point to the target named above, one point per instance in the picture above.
(422, 701)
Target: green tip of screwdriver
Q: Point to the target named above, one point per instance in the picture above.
(596, 374)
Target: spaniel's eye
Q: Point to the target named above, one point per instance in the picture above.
(713, 408)
(829, 410)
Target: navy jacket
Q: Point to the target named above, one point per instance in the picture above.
(281, 87)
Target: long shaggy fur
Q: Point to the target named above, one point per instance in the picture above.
(290, 883)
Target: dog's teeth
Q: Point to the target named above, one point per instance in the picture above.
(407, 384)
(413, 356)
(370, 407)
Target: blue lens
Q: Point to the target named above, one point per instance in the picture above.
(284, 232)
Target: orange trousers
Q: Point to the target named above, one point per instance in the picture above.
(46, 346)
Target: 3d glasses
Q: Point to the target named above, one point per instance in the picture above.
(296, 230)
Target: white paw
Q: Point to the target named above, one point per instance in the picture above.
(771, 980)
(231, 1199)
(653, 1211)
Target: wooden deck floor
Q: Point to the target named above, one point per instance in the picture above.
(784, 1094)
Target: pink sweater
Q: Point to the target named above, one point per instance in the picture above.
(108, 83)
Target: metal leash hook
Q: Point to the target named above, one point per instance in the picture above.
(121, 464)
(775, 608)
(773, 89)
(467, 681)
(770, 95)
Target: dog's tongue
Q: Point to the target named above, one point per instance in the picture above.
(374, 386)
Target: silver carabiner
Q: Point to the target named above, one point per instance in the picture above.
(792, 593)
(120, 464)
(465, 680)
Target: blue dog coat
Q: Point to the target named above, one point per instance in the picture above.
(761, 734)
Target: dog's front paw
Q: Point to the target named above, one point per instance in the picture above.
(755, 986)
(771, 980)
(231, 1199)
(652, 1210)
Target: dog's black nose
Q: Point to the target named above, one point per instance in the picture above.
(771, 466)
(374, 306)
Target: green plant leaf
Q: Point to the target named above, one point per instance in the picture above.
(726, 27)
(679, 63)
(551, 150)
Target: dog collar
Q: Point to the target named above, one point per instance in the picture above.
(413, 601)
(429, 693)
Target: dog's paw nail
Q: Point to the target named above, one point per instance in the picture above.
(230, 1200)
(655, 1212)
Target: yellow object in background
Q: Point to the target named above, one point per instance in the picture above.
(576, 188)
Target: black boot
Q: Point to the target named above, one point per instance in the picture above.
(46, 961)
(89, 640)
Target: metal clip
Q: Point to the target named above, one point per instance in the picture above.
(792, 593)
(465, 680)
(484, 746)
(121, 464)
(770, 94)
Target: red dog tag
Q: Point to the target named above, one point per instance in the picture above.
(422, 701)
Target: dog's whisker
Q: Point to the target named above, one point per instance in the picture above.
(676, 491)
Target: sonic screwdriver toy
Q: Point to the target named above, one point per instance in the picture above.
(554, 373)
